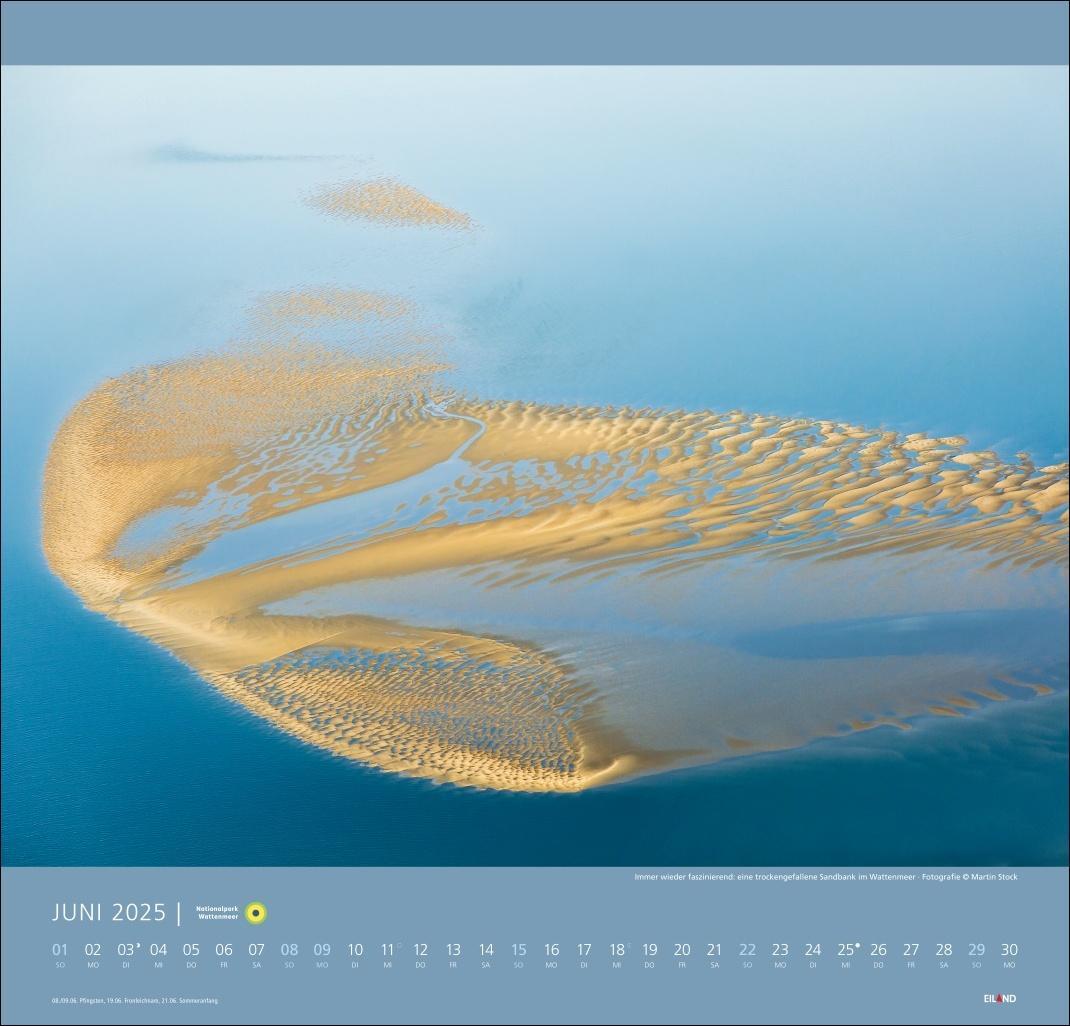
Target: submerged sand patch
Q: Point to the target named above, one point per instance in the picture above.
(387, 201)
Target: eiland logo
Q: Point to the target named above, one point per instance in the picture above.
(1000, 999)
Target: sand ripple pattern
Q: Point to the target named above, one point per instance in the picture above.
(174, 494)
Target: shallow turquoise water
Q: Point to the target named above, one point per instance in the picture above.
(887, 248)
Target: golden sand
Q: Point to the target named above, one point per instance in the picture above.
(387, 201)
(296, 307)
(514, 492)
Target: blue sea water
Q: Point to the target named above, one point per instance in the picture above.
(885, 246)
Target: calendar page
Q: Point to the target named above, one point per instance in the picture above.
(535, 513)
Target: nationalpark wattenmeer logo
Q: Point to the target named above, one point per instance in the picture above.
(255, 912)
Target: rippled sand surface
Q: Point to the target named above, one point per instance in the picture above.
(526, 597)
(542, 598)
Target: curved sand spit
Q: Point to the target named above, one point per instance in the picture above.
(154, 473)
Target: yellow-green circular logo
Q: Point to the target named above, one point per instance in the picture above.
(255, 912)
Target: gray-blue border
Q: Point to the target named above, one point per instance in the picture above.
(546, 32)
